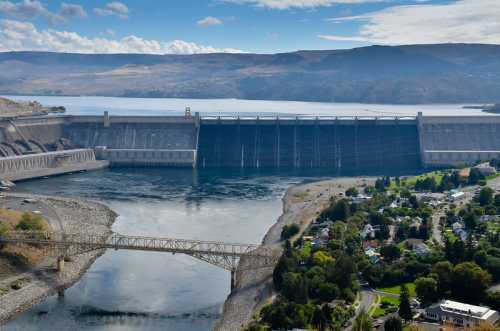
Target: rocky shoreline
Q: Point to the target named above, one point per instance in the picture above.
(253, 288)
(71, 216)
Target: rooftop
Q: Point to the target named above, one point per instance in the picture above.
(464, 308)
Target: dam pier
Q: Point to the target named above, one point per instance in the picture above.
(42, 146)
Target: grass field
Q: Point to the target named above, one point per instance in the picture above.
(383, 306)
(397, 289)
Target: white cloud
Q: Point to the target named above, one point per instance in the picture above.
(72, 10)
(209, 21)
(113, 8)
(31, 9)
(24, 36)
(462, 21)
(287, 4)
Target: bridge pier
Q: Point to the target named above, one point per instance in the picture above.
(60, 264)
(233, 279)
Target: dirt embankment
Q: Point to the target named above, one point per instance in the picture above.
(25, 287)
(254, 289)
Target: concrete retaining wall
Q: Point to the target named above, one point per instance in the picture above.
(16, 168)
(148, 157)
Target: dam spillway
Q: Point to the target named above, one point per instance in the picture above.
(356, 144)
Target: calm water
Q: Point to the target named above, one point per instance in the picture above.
(127, 290)
(143, 106)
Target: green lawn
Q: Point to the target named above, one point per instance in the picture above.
(397, 289)
(383, 306)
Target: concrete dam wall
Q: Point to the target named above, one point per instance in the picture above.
(354, 144)
(349, 144)
(459, 140)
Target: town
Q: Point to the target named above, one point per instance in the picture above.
(413, 253)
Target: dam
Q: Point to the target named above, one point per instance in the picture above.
(362, 144)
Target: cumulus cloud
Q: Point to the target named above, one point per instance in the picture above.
(115, 8)
(24, 36)
(209, 21)
(287, 4)
(461, 21)
(72, 10)
(31, 9)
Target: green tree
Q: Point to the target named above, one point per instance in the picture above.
(485, 196)
(289, 231)
(390, 252)
(393, 323)
(362, 322)
(469, 282)
(319, 320)
(443, 271)
(405, 311)
(352, 192)
(426, 288)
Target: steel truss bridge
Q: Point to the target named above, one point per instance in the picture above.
(220, 254)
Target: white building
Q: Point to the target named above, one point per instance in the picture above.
(461, 314)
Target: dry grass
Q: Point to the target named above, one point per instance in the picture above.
(18, 256)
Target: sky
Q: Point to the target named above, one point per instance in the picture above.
(254, 26)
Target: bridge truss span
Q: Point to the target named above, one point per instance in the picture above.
(220, 254)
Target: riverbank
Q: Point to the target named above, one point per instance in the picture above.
(253, 288)
(63, 214)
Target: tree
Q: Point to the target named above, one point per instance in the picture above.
(469, 282)
(393, 323)
(351, 192)
(405, 311)
(289, 231)
(390, 252)
(443, 271)
(319, 320)
(475, 176)
(427, 291)
(362, 322)
(485, 196)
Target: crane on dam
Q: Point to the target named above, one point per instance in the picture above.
(221, 254)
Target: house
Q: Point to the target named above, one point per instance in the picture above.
(416, 222)
(372, 255)
(462, 234)
(461, 314)
(368, 232)
(485, 169)
(456, 195)
(324, 233)
(393, 205)
(421, 249)
(488, 218)
(457, 226)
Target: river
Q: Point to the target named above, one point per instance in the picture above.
(126, 290)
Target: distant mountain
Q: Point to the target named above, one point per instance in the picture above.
(413, 74)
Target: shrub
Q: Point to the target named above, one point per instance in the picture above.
(30, 222)
(289, 231)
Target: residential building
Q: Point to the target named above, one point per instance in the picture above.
(461, 314)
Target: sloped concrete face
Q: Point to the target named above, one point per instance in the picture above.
(23, 167)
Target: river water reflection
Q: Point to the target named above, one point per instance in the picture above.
(126, 290)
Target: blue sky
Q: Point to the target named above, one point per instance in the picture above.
(263, 26)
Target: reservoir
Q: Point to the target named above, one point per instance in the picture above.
(126, 290)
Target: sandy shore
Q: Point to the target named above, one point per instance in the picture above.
(301, 205)
(71, 216)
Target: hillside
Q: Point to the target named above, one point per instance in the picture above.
(10, 108)
(444, 73)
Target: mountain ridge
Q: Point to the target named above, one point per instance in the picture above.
(409, 74)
